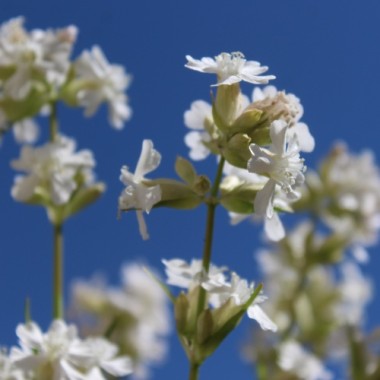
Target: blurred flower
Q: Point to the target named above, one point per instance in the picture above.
(8, 370)
(137, 195)
(199, 118)
(356, 292)
(37, 56)
(230, 68)
(26, 131)
(349, 206)
(99, 355)
(188, 276)
(52, 171)
(219, 289)
(103, 82)
(136, 315)
(60, 354)
(293, 358)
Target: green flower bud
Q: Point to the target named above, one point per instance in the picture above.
(205, 325)
(202, 185)
(181, 309)
(236, 152)
(226, 106)
(185, 170)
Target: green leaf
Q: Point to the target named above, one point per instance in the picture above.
(185, 170)
(83, 198)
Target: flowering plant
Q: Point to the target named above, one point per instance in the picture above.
(312, 307)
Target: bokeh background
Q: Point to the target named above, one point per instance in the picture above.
(326, 52)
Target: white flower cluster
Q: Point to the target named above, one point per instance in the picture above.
(140, 312)
(295, 359)
(52, 171)
(105, 83)
(60, 354)
(219, 288)
(358, 201)
(281, 162)
(37, 69)
(35, 56)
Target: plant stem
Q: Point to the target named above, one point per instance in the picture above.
(58, 273)
(53, 122)
(210, 218)
(207, 248)
(194, 371)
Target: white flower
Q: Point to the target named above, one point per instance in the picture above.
(61, 355)
(352, 184)
(293, 358)
(230, 68)
(198, 117)
(26, 131)
(47, 354)
(273, 226)
(281, 163)
(34, 54)
(106, 83)
(51, 170)
(96, 354)
(219, 289)
(287, 107)
(140, 307)
(239, 290)
(356, 291)
(188, 276)
(137, 195)
(8, 370)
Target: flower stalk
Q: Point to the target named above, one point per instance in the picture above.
(53, 122)
(207, 252)
(194, 371)
(58, 304)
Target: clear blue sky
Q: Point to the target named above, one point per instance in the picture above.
(326, 52)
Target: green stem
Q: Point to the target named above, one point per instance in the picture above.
(53, 122)
(262, 371)
(207, 248)
(58, 273)
(194, 371)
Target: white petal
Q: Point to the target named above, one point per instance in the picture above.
(264, 200)
(26, 131)
(142, 225)
(256, 312)
(274, 228)
(121, 366)
(148, 161)
(305, 140)
(278, 131)
(195, 117)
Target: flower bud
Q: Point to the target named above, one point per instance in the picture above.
(181, 308)
(236, 152)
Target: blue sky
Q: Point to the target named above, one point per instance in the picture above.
(325, 52)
